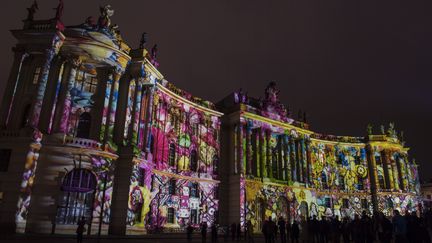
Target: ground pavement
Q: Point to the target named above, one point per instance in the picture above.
(160, 238)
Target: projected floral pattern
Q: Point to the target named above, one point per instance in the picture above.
(176, 184)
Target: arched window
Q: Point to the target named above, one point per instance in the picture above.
(171, 155)
(193, 160)
(84, 122)
(76, 200)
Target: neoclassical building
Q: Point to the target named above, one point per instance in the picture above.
(90, 128)
(275, 166)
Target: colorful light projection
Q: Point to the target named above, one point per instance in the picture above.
(282, 163)
(27, 181)
(176, 184)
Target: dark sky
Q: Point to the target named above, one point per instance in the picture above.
(347, 63)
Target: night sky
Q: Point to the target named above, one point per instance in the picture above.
(346, 63)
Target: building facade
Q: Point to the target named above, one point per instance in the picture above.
(276, 167)
(90, 128)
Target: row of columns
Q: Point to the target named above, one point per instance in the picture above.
(289, 160)
(394, 171)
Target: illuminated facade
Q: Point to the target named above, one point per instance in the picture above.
(90, 128)
(276, 166)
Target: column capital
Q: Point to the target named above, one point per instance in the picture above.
(116, 70)
(74, 61)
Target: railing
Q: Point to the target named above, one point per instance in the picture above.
(82, 143)
(10, 133)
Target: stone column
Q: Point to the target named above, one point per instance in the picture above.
(145, 117)
(263, 140)
(241, 152)
(287, 158)
(394, 173)
(65, 99)
(11, 87)
(281, 165)
(373, 175)
(304, 160)
(109, 130)
(38, 99)
(385, 165)
(58, 82)
(293, 159)
(268, 155)
(260, 152)
(309, 162)
(248, 149)
(133, 127)
(389, 169)
(299, 161)
(401, 173)
(120, 195)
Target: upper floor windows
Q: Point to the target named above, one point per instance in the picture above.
(172, 186)
(84, 122)
(193, 160)
(172, 154)
(86, 82)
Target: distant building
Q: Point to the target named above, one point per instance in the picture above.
(426, 194)
(90, 128)
(275, 166)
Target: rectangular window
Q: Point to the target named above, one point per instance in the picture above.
(328, 202)
(194, 216)
(345, 203)
(170, 216)
(194, 191)
(360, 185)
(36, 75)
(172, 187)
(4, 159)
(90, 84)
(364, 203)
(141, 177)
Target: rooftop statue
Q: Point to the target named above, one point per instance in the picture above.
(32, 10)
(241, 97)
(271, 101)
(59, 10)
(271, 93)
(391, 132)
(369, 129)
(104, 19)
(382, 130)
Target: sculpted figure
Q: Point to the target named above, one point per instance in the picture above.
(104, 19)
(32, 10)
(59, 10)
